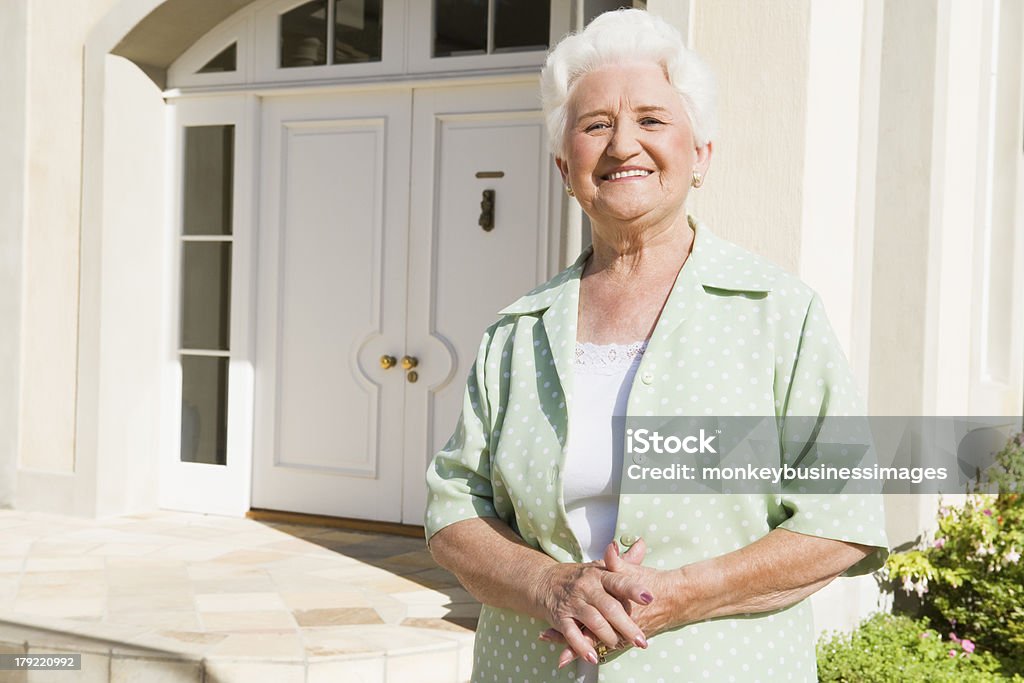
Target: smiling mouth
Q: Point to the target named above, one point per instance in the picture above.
(631, 173)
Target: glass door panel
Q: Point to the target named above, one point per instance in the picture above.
(304, 35)
(206, 295)
(206, 252)
(358, 31)
(521, 25)
(204, 409)
(460, 27)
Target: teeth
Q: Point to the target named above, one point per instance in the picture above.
(628, 174)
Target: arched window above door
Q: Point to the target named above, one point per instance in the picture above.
(275, 41)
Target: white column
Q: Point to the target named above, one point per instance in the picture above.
(828, 226)
(13, 55)
(997, 354)
(960, 91)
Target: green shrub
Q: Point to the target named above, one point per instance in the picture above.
(887, 648)
(970, 578)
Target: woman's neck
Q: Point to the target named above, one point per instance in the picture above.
(639, 253)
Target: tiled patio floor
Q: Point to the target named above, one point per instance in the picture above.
(170, 596)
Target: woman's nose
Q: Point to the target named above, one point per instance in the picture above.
(624, 142)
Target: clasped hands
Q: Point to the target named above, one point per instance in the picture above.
(611, 602)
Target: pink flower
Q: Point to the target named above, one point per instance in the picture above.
(967, 645)
(952, 653)
(939, 543)
(952, 636)
(988, 512)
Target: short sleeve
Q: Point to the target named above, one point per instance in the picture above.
(459, 475)
(823, 426)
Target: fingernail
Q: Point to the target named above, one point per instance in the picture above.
(646, 598)
(640, 641)
(592, 657)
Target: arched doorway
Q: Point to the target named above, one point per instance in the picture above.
(327, 210)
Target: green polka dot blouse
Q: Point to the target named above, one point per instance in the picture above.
(737, 336)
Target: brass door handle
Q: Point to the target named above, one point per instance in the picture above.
(486, 220)
(388, 362)
(409, 362)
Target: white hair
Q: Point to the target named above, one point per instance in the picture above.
(620, 36)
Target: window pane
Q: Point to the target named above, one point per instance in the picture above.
(206, 295)
(460, 27)
(204, 409)
(521, 25)
(357, 31)
(225, 61)
(304, 35)
(209, 175)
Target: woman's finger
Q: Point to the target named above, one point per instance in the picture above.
(567, 655)
(613, 560)
(552, 635)
(635, 553)
(579, 644)
(606, 620)
(622, 628)
(627, 586)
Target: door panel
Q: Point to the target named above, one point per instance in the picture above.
(331, 302)
(322, 257)
(461, 274)
(367, 250)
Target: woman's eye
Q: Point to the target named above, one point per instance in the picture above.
(596, 126)
(649, 121)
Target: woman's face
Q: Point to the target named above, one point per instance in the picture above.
(630, 152)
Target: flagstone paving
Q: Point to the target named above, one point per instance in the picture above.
(171, 596)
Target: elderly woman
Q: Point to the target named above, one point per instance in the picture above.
(658, 317)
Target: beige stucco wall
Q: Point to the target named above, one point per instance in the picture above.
(53, 475)
(56, 35)
(754, 188)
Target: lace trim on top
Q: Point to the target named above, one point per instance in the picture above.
(608, 358)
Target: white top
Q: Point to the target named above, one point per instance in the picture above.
(603, 377)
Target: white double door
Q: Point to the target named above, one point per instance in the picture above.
(370, 245)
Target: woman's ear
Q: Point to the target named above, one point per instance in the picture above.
(703, 158)
(563, 168)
